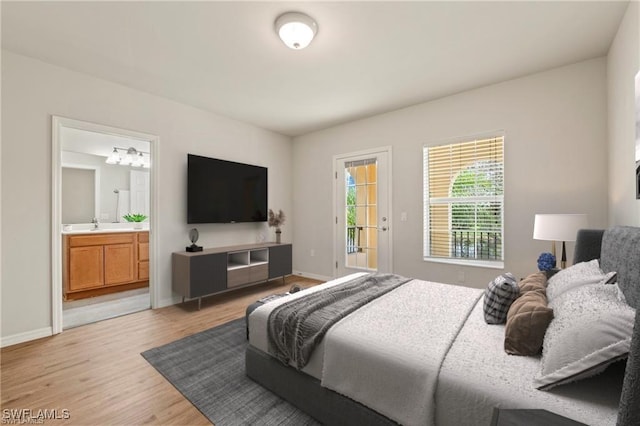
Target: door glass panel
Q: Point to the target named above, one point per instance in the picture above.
(361, 214)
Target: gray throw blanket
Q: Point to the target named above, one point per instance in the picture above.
(295, 328)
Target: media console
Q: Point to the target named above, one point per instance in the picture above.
(222, 269)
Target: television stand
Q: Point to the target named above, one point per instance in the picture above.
(223, 269)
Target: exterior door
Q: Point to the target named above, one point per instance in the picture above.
(362, 212)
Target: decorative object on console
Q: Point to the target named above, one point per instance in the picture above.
(276, 220)
(558, 227)
(193, 236)
(546, 262)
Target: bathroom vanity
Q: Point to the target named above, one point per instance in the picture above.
(102, 262)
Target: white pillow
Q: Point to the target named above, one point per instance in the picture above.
(591, 329)
(575, 276)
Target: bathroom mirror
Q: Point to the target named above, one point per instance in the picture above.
(92, 188)
(80, 199)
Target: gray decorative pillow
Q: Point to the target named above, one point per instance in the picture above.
(575, 276)
(498, 297)
(591, 329)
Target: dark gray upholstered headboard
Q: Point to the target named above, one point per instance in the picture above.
(619, 250)
(621, 253)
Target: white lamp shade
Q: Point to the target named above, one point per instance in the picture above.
(295, 29)
(558, 227)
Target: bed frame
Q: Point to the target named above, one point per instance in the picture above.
(618, 249)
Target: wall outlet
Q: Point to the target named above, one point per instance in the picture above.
(403, 217)
(312, 252)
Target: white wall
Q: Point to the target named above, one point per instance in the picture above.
(623, 63)
(555, 162)
(32, 91)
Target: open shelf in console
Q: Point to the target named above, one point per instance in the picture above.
(238, 259)
(246, 258)
(259, 257)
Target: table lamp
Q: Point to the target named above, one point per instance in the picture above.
(558, 227)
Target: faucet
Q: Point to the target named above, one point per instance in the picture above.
(95, 223)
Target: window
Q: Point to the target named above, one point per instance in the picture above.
(464, 202)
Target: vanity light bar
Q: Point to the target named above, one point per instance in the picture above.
(133, 157)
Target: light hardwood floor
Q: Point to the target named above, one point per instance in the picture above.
(96, 371)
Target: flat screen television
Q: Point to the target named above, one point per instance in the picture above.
(220, 191)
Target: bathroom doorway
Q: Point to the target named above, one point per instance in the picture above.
(103, 217)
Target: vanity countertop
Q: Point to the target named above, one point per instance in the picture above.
(103, 228)
(101, 231)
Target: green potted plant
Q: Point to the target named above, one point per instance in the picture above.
(136, 218)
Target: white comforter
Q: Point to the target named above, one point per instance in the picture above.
(387, 354)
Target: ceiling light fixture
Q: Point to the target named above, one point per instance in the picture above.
(296, 29)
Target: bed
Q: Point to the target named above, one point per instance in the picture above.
(423, 353)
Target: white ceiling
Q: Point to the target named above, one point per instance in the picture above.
(368, 57)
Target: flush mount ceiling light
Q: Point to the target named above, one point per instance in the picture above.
(296, 29)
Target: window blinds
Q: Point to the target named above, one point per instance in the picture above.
(463, 197)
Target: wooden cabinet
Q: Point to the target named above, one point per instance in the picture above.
(143, 255)
(197, 274)
(99, 263)
(119, 260)
(85, 267)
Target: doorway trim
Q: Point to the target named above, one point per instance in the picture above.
(57, 123)
(384, 149)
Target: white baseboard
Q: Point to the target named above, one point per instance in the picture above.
(26, 336)
(169, 301)
(312, 276)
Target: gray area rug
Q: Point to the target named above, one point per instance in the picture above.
(208, 369)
